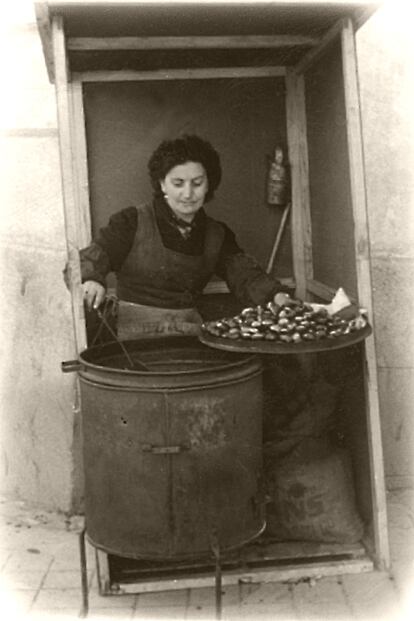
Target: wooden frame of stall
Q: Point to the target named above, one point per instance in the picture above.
(300, 560)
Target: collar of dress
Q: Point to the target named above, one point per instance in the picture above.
(186, 228)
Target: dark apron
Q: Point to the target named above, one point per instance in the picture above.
(158, 287)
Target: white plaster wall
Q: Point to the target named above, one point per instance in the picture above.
(36, 330)
(385, 47)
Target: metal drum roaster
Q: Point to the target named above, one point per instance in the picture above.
(172, 454)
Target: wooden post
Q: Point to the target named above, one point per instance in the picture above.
(80, 164)
(66, 133)
(43, 24)
(298, 160)
(362, 256)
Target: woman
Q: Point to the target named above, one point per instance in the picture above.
(165, 252)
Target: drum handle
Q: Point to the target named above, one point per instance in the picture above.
(70, 366)
(164, 450)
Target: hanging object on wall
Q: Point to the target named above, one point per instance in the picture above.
(277, 181)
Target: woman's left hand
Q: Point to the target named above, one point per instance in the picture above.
(280, 299)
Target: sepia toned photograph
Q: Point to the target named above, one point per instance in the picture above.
(207, 330)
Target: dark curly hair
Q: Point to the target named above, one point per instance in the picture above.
(187, 148)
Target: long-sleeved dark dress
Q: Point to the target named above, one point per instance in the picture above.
(163, 262)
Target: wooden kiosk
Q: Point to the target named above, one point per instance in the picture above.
(247, 76)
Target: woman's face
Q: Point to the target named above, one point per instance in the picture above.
(185, 187)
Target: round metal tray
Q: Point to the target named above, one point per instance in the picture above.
(271, 347)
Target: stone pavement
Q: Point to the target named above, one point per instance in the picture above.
(40, 580)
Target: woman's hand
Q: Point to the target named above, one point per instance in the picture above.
(93, 294)
(280, 299)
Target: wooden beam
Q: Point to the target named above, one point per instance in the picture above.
(320, 290)
(186, 43)
(360, 16)
(257, 575)
(316, 52)
(66, 132)
(45, 32)
(209, 73)
(363, 262)
(298, 159)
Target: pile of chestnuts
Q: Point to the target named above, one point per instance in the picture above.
(294, 322)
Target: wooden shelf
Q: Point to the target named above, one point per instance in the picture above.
(262, 561)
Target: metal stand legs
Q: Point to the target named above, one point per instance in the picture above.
(216, 551)
(84, 575)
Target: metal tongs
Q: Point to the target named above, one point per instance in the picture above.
(133, 364)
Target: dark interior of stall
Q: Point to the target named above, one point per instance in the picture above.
(243, 118)
(329, 180)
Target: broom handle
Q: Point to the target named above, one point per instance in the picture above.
(278, 238)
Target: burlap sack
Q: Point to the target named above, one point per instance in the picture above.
(312, 498)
